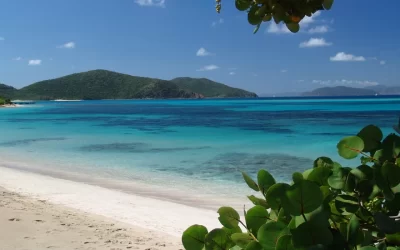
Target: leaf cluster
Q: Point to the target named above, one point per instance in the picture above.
(325, 207)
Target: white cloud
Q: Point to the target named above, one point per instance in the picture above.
(277, 29)
(232, 73)
(69, 45)
(382, 62)
(319, 29)
(18, 58)
(308, 20)
(151, 3)
(2, 38)
(343, 82)
(220, 21)
(314, 42)
(208, 68)
(284, 70)
(34, 62)
(343, 57)
(203, 52)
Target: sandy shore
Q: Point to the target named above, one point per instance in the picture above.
(41, 212)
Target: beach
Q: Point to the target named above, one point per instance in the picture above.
(41, 212)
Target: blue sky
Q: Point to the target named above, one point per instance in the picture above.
(354, 44)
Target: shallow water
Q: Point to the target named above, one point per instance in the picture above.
(197, 145)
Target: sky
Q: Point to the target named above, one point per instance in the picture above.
(355, 44)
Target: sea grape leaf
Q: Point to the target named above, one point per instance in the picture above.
(256, 217)
(269, 234)
(228, 217)
(349, 147)
(252, 184)
(258, 201)
(285, 243)
(242, 239)
(323, 162)
(217, 239)
(372, 137)
(303, 197)
(265, 180)
(308, 234)
(275, 195)
(193, 238)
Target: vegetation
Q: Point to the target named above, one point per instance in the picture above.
(7, 91)
(210, 88)
(340, 91)
(326, 207)
(290, 12)
(4, 101)
(103, 84)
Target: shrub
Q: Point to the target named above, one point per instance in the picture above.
(325, 207)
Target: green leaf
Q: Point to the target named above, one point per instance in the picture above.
(252, 16)
(193, 238)
(217, 239)
(323, 162)
(372, 137)
(256, 217)
(230, 231)
(254, 245)
(346, 204)
(256, 28)
(320, 175)
(242, 239)
(308, 234)
(285, 243)
(297, 177)
(258, 201)
(275, 194)
(242, 5)
(269, 234)
(265, 180)
(363, 172)
(350, 147)
(307, 173)
(393, 239)
(252, 184)
(293, 27)
(327, 4)
(391, 174)
(284, 216)
(228, 217)
(302, 197)
(352, 230)
(338, 178)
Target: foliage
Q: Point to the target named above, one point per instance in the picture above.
(290, 12)
(210, 88)
(326, 207)
(103, 84)
(7, 91)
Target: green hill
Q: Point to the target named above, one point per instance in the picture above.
(210, 88)
(7, 91)
(340, 91)
(103, 84)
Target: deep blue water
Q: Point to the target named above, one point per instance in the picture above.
(182, 143)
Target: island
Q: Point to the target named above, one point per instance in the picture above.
(104, 84)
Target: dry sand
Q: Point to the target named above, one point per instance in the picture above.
(42, 212)
(27, 223)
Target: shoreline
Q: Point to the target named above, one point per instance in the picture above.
(144, 212)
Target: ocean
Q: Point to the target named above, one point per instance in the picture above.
(187, 149)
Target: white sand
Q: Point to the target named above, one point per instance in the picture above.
(146, 213)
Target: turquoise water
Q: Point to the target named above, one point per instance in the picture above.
(200, 144)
